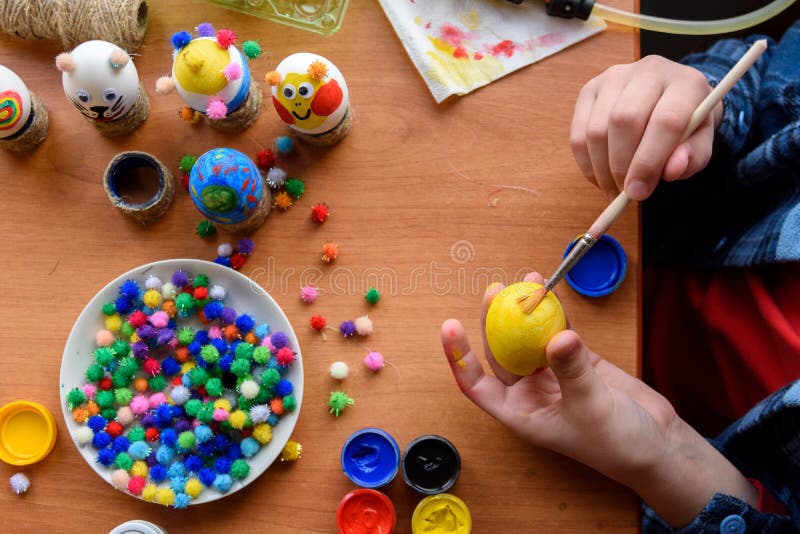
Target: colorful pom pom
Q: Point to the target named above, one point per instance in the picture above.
(249, 389)
(232, 71)
(330, 251)
(118, 59)
(83, 435)
(317, 70)
(339, 370)
(180, 39)
(205, 228)
(205, 29)
(265, 159)
(363, 325)
(282, 201)
(347, 328)
(285, 356)
(374, 361)
(120, 479)
(216, 109)
(338, 401)
(318, 322)
(273, 78)
(225, 37)
(319, 212)
(372, 296)
(309, 293)
(65, 62)
(251, 49)
(294, 187)
(225, 250)
(259, 413)
(284, 145)
(291, 452)
(276, 177)
(245, 246)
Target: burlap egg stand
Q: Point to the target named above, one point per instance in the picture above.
(150, 210)
(128, 122)
(34, 133)
(242, 117)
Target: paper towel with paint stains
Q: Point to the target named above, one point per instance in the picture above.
(460, 45)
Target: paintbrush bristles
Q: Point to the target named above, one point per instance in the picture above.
(530, 302)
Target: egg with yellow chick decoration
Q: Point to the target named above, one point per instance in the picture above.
(309, 93)
(518, 337)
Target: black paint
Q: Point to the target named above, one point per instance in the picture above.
(431, 464)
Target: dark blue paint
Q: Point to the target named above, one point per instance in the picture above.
(370, 458)
(601, 271)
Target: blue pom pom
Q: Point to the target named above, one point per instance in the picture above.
(177, 411)
(221, 442)
(101, 440)
(158, 473)
(223, 483)
(284, 144)
(206, 449)
(106, 457)
(177, 483)
(129, 289)
(121, 444)
(193, 463)
(212, 310)
(123, 304)
(262, 330)
(207, 476)
(205, 29)
(179, 40)
(176, 470)
(163, 415)
(97, 423)
(233, 452)
(245, 323)
(220, 345)
(222, 465)
(186, 381)
(273, 419)
(181, 501)
(225, 362)
(203, 433)
(223, 260)
(169, 366)
(249, 447)
(272, 363)
(164, 455)
(194, 348)
(139, 450)
(283, 388)
(200, 362)
(201, 336)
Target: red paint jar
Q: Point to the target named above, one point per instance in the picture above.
(365, 511)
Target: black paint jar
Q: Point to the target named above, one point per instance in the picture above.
(431, 464)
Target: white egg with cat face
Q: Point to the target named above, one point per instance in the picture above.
(103, 83)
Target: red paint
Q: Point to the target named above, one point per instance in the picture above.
(366, 511)
(549, 39)
(216, 168)
(505, 48)
(284, 114)
(453, 35)
(460, 53)
(478, 56)
(427, 25)
(328, 99)
(245, 183)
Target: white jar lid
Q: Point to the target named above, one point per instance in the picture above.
(138, 526)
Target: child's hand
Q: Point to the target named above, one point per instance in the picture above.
(590, 410)
(628, 123)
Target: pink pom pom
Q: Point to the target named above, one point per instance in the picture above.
(216, 109)
(120, 479)
(124, 416)
(232, 72)
(309, 294)
(159, 319)
(221, 415)
(157, 399)
(285, 356)
(374, 360)
(165, 85)
(104, 338)
(225, 37)
(173, 343)
(89, 390)
(140, 405)
(118, 59)
(267, 342)
(65, 62)
(215, 332)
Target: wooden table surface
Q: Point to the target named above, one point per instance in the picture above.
(413, 192)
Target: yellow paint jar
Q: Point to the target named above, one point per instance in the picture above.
(441, 514)
(27, 432)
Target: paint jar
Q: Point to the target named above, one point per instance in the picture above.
(27, 432)
(441, 513)
(370, 458)
(365, 511)
(431, 464)
(601, 270)
(137, 526)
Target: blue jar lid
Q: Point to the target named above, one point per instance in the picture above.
(370, 458)
(601, 271)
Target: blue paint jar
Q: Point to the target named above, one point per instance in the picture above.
(601, 271)
(370, 458)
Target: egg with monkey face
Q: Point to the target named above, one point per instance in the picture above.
(309, 93)
(518, 339)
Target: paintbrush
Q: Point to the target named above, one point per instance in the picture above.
(618, 205)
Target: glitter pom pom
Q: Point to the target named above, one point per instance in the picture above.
(309, 294)
(282, 201)
(330, 251)
(339, 370)
(205, 29)
(318, 322)
(216, 109)
(225, 38)
(291, 452)
(251, 49)
(19, 483)
(180, 39)
(319, 212)
(276, 177)
(232, 71)
(347, 328)
(338, 401)
(265, 159)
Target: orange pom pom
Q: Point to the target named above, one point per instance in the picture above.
(80, 415)
(140, 384)
(92, 408)
(251, 338)
(169, 307)
(182, 354)
(276, 406)
(231, 333)
(317, 70)
(330, 251)
(273, 77)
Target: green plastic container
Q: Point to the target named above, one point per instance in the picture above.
(319, 16)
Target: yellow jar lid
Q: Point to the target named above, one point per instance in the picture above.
(27, 432)
(441, 514)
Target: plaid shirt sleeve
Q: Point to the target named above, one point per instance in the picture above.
(764, 445)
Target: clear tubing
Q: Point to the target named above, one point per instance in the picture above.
(691, 27)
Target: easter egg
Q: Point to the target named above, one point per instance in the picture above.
(15, 103)
(517, 339)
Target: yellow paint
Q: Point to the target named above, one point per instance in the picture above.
(441, 514)
(198, 67)
(470, 19)
(457, 358)
(300, 105)
(461, 75)
(27, 432)
(418, 20)
(517, 339)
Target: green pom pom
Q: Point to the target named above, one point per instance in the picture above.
(290, 402)
(157, 383)
(205, 228)
(200, 280)
(251, 49)
(198, 376)
(108, 413)
(123, 396)
(127, 329)
(245, 350)
(338, 401)
(123, 461)
(261, 355)
(136, 434)
(264, 396)
(209, 353)
(270, 378)
(187, 162)
(214, 387)
(219, 198)
(94, 373)
(75, 398)
(240, 469)
(240, 367)
(119, 379)
(226, 427)
(104, 398)
(121, 348)
(206, 412)
(109, 308)
(186, 440)
(104, 356)
(128, 367)
(294, 187)
(372, 296)
(185, 335)
(184, 303)
(192, 406)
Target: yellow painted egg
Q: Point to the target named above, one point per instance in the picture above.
(517, 339)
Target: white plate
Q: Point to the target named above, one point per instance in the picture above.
(243, 295)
